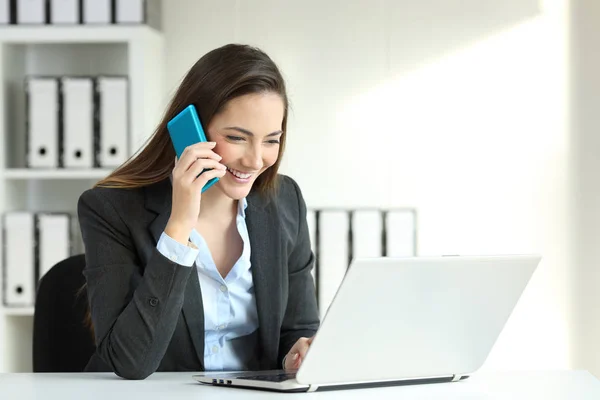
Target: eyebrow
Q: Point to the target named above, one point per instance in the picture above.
(247, 132)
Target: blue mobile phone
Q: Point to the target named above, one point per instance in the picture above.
(185, 129)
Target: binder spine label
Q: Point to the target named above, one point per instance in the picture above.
(36, 250)
(97, 112)
(28, 143)
(4, 263)
(61, 125)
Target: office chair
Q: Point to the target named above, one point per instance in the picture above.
(61, 341)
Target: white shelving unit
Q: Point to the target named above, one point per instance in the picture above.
(135, 51)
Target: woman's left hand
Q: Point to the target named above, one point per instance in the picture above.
(294, 358)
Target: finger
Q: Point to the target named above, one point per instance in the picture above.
(191, 154)
(183, 163)
(310, 340)
(202, 145)
(202, 173)
(200, 165)
(202, 150)
(287, 363)
(190, 149)
(199, 145)
(187, 163)
(303, 349)
(292, 361)
(208, 175)
(201, 154)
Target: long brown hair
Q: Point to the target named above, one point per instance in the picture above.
(219, 76)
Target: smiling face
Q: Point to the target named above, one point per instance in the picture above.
(247, 134)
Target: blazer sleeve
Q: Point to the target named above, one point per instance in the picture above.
(134, 307)
(301, 318)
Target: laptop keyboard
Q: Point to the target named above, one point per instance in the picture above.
(270, 378)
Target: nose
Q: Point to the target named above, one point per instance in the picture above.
(253, 158)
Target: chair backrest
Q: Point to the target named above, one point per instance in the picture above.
(61, 341)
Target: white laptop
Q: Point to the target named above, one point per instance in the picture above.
(398, 321)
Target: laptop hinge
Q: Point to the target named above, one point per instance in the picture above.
(312, 388)
(456, 378)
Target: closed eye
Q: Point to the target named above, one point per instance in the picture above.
(239, 139)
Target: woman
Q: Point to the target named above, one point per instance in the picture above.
(180, 280)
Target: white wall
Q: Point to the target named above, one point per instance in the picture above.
(455, 107)
(585, 125)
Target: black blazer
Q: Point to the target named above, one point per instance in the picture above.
(147, 310)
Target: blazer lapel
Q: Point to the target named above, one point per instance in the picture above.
(158, 200)
(193, 313)
(265, 259)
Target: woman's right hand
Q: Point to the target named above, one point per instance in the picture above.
(187, 187)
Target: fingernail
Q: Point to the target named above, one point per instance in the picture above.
(212, 143)
(295, 357)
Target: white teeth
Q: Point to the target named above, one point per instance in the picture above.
(239, 174)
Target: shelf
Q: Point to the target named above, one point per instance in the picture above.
(75, 34)
(25, 173)
(135, 51)
(18, 311)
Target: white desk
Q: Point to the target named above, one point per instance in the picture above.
(563, 385)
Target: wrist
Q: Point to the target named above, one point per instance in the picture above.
(178, 232)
